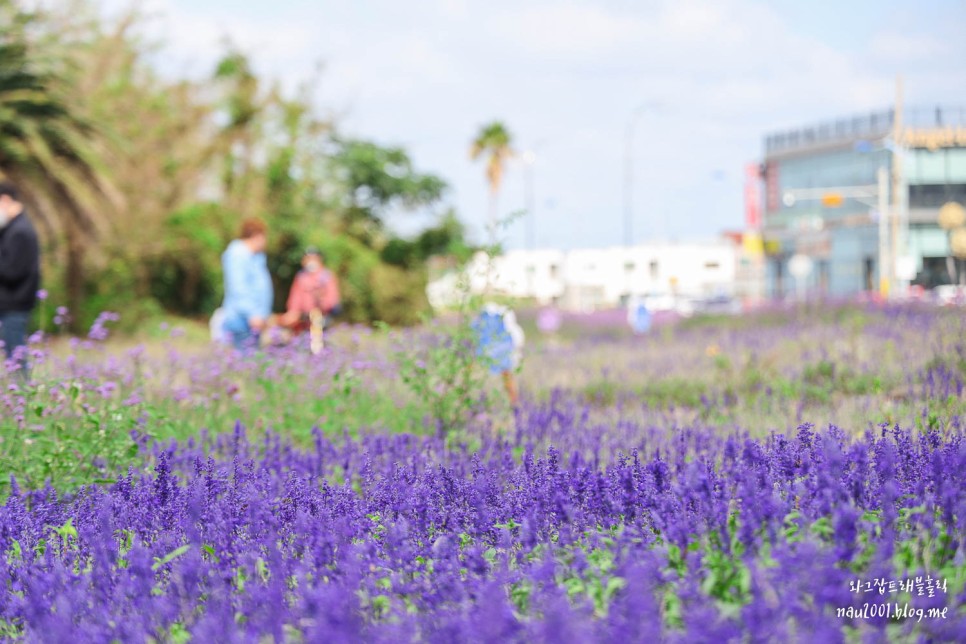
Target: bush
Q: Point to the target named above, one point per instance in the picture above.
(398, 296)
(115, 288)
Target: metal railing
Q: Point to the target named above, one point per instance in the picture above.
(862, 127)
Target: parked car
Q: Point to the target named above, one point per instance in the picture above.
(665, 302)
(949, 295)
(718, 304)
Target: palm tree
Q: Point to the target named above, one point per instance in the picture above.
(495, 141)
(50, 151)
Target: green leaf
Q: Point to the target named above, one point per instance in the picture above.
(209, 550)
(15, 553)
(67, 530)
(380, 604)
(575, 586)
(262, 569)
(614, 584)
(171, 556)
(179, 634)
(822, 528)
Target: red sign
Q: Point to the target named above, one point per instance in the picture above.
(752, 198)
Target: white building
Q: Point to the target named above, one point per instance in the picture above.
(589, 279)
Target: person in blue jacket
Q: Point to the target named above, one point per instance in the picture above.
(248, 286)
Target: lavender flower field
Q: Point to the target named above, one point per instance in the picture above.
(793, 475)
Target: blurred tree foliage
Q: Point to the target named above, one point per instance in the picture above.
(48, 145)
(447, 238)
(160, 172)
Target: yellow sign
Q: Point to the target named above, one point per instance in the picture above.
(753, 245)
(832, 200)
(935, 138)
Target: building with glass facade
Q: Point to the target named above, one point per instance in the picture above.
(827, 188)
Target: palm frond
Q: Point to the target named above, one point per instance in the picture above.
(494, 140)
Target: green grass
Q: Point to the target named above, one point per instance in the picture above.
(83, 436)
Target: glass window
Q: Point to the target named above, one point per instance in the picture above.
(935, 195)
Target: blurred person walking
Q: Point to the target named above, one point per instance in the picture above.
(19, 273)
(638, 315)
(248, 286)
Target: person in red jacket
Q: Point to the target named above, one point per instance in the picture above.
(315, 291)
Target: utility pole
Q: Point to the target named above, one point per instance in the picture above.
(629, 172)
(883, 208)
(897, 179)
(629, 177)
(529, 157)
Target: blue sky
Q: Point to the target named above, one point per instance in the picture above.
(564, 75)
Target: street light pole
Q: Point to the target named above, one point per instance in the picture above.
(883, 208)
(898, 188)
(529, 157)
(629, 171)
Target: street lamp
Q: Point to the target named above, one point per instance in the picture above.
(629, 169)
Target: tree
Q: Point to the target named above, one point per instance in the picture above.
(494, 141)
(164, 146)
(47, 146)
(375, 179)
(447, 237)
(138, 180)
(242, 107)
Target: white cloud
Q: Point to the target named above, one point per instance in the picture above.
(454, 8)
(402, 64)
(565, 29)
(897, 47)
(194, 37)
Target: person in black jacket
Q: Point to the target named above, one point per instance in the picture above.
(19, 272)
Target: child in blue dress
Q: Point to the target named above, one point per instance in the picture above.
(500, 342)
